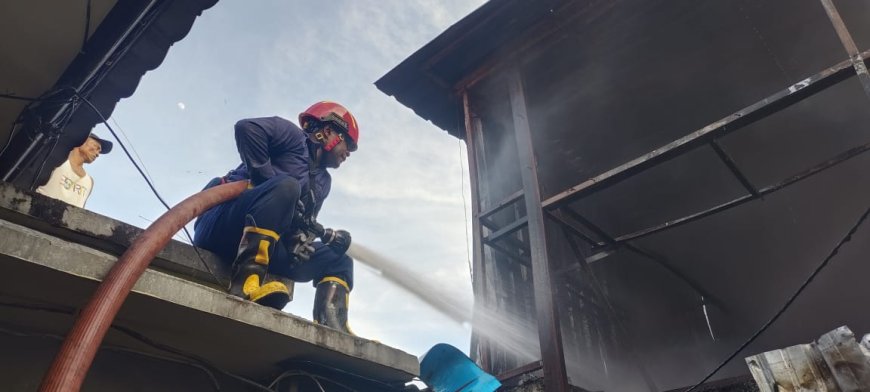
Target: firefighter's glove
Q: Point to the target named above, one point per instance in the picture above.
(302, 247)
(337, 240)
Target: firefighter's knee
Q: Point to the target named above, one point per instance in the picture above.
(287, 188)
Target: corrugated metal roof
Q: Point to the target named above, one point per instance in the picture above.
(425, 81)
(144, 49)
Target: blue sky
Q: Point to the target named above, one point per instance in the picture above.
(400, 195)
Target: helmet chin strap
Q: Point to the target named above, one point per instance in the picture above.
(329, 146)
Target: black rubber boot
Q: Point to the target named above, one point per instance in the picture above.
(250, 267)
(330, 304)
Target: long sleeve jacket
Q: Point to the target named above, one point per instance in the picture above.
(270, 146)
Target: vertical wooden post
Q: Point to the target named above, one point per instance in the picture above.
(549, 330)
(478, 257)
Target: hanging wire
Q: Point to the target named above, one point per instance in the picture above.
(295, 373)
(205, 370)
(57, 129)
(87, 25)
(44, 98)
(132, 147)
(465, 211)
(148, 181)
(791, 299)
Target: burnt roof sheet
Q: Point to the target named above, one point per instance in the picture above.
(424, 81)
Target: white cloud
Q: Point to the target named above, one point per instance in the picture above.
(181, 105)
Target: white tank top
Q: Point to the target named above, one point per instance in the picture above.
(64, 184)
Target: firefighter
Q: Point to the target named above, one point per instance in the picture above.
(275, 217)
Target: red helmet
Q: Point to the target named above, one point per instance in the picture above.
(335, 114)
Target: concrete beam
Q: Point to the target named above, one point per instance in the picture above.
(41, 270)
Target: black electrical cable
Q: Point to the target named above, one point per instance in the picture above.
(123, 147)
(212, 378)
(42, 165)
(19, 98)
(214, 381)
(56, 135)
(819, 268)
(142, 338)
(15, 97)
(293, 373)
(44, 98)
(345, 372)
(147, 181)
(87, 25)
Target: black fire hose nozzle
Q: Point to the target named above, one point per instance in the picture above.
(317, 229)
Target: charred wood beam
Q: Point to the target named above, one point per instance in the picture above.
(522, 370)
(510, 239)
(589, 225)
(523, 259)
(549, 327)
(475, 153)
(558, 218)
(836, 160)
(511, 199)
(488, 223)
(509, 229)
(757, 111)
(728, 161)
(505, 234)
(849, 44)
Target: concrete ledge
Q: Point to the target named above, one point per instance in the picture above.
(237, 334)
(102, 233)
(96, 231)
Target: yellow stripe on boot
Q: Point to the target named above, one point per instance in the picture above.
(260, 230)
(262, 256)
(270, 288)
(344, 284)
(336, 280)
(255, 292)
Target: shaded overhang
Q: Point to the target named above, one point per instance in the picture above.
(428, 80)
(45, 53)
(39, 40)
(178, 306)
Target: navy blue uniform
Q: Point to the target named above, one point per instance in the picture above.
(276, 158)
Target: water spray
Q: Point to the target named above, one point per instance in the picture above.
(509, 330)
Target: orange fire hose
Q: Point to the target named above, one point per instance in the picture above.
(70, 366)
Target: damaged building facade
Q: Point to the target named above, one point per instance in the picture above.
(653, 180)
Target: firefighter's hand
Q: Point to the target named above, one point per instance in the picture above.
(337, 240)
